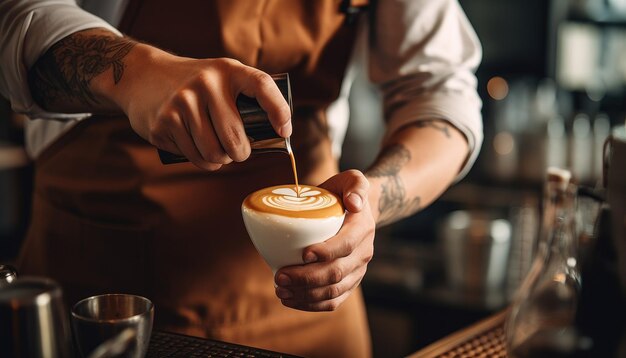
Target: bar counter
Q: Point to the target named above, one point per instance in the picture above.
(484, 339)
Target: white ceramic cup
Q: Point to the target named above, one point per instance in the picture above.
(285, 224)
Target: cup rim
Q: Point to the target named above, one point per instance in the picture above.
(50, 289)
(117, 320)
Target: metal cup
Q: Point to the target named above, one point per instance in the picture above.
(33, 319)
(98, 321)
(262, 136)
(476, 248)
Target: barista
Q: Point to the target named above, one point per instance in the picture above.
(108, 217)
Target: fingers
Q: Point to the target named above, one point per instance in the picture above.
(170, 134)
(258, 84)
(320, 306)
(352, 186)
(354, 231)
(223, 124)
(197, 116)
(322, 286)
(325, 298)
(198, 125)
(186, 146)
(227, 124)
(336, 260)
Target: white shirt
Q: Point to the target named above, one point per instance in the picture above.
(422, 55)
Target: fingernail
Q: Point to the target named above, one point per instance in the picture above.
(283, 280)
(309, 257)
(355, 200)
(283, 293)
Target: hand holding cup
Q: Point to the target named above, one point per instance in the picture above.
(334, 266)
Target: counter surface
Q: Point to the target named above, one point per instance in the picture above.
(481, 340)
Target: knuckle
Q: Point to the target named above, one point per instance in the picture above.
(165, 117)
(233, 145)
(348, 246)
(371, 233)
(262, 80)
(158, 129)
(359, 179)
(354, 172)
(225, 65)
(335, 274)
(232, 139)
(184, 98)
(227, 61)
(332, 305)
(205, 77)
(369, 255)
(333, 292)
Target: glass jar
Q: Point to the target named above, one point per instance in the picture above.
(542, 315)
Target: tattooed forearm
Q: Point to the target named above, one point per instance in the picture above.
(393, 203)
(62, 75)
(390, 161)
(437, 124)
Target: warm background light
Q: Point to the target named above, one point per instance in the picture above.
(503, 143)
(498, 88)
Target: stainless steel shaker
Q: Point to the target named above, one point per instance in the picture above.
(33, 320)
(102, 323)
(256, 124)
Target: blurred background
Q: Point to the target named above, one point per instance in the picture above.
(552, 83)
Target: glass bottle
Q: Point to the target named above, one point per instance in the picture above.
(542, 315)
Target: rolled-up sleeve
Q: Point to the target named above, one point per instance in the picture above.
(423, 54)
(28, 28)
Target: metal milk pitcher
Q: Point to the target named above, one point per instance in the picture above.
(33, 319)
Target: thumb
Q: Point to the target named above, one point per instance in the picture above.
(351, 186)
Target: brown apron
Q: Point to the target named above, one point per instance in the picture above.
(109, 217)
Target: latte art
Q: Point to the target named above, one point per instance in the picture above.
(288, 199)
(282, 223)
(284, 200)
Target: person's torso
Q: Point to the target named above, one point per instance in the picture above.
(174, 233)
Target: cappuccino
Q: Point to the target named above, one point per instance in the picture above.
(283, 220)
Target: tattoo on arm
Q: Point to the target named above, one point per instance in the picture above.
(393, 203)
(443, 127)
(63, 73)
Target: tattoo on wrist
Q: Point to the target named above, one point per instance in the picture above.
(393, 203)
(437, 124)
(64, 72)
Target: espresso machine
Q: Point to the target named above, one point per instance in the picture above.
(601, 317)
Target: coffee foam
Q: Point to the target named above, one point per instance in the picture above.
(313, 202)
